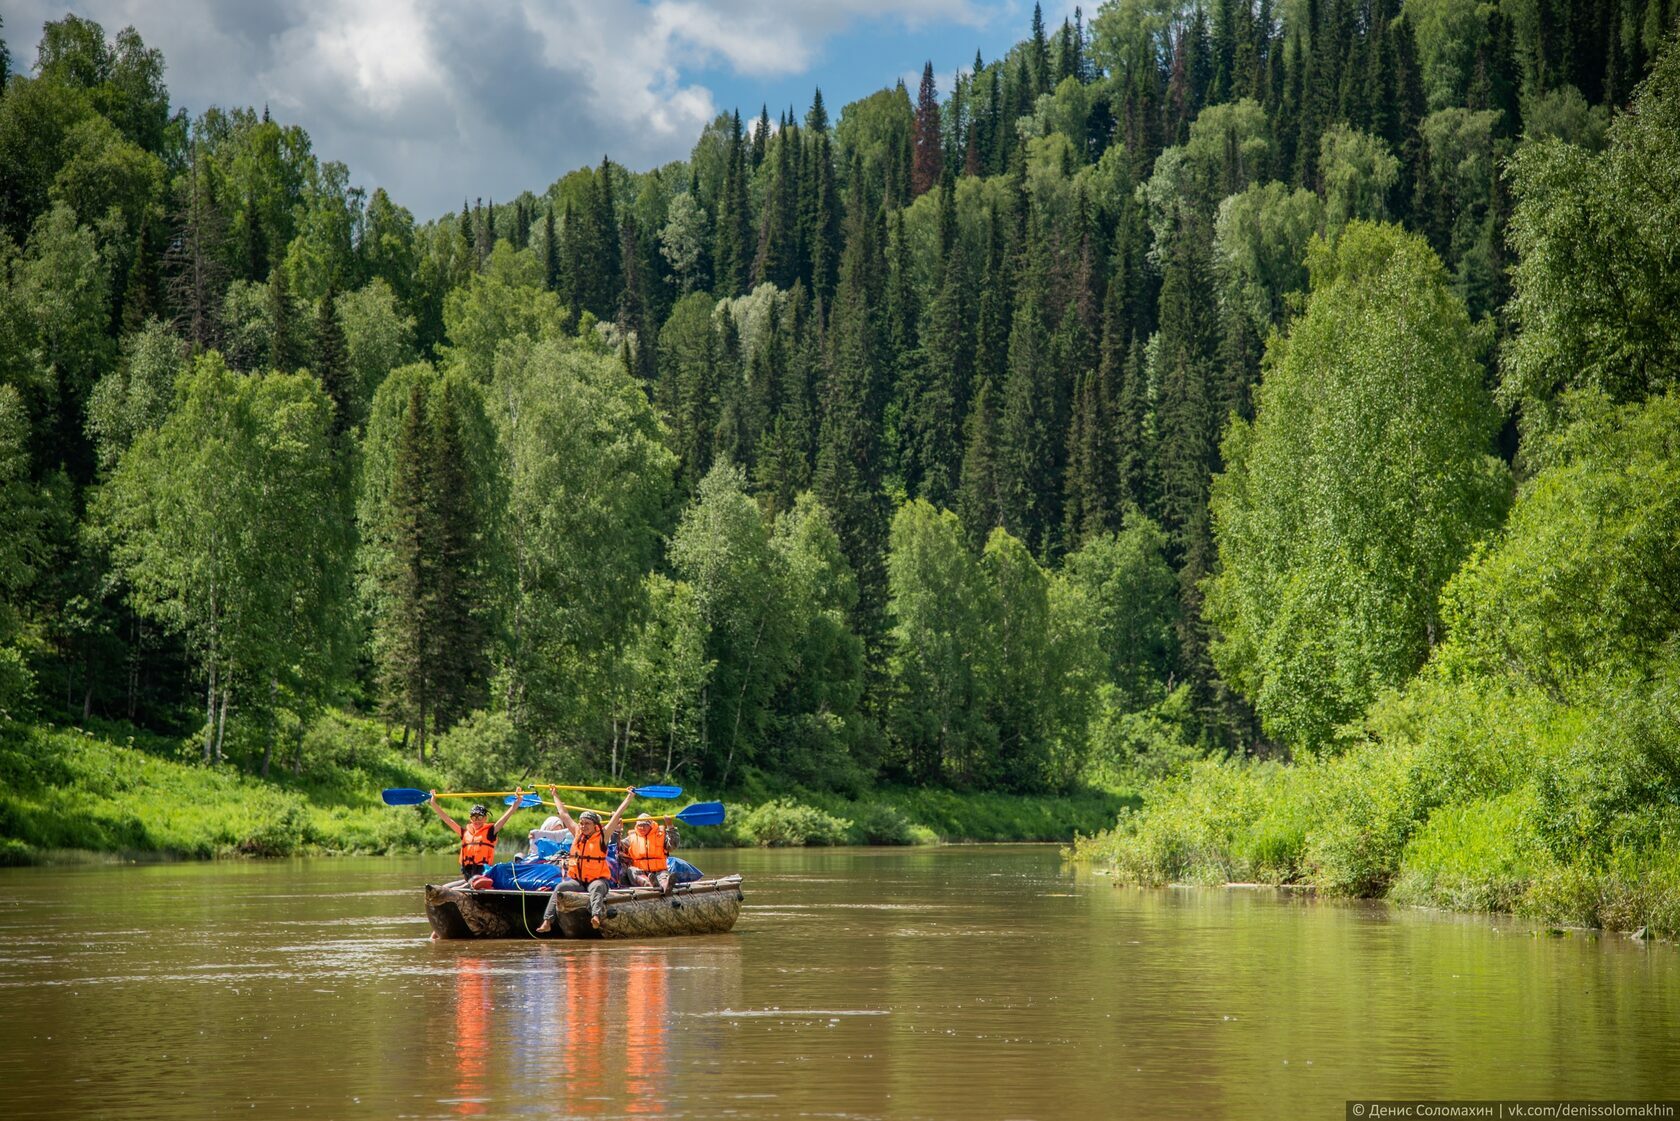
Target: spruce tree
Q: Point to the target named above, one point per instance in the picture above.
(1132, 452)
(1038, 54)
(816, 118)
(332, 365)
(784, 463)
(403, 638)
(1185, 426)
(980, 500)
(459, 668)
(761, 136)
(929, 143)
(282, 326)
(1025, 435)
(604, 235)
(731, 255)
(948, 353)
(991, 332)
(551, 252)
(821, 216)
(850, 452)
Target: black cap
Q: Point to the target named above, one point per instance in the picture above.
(479, 811)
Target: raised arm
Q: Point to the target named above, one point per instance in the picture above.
(518, 797)
(618, 814)
(566, 821)
(445, 818)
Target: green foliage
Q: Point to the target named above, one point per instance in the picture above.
(1596, 294)
(1534, 765)
(378, 337)
(1361, 485)
(226, 523)
(589, 482)
(117, 789)
(504, 303)
(784, 822)
(480, 751)
(136, 396)
(1583, 584)
(939, 611)
(1358, 172)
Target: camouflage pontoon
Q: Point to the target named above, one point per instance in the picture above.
(702, 907)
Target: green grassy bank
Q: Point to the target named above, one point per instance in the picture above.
(1463, 796)
(111, 788)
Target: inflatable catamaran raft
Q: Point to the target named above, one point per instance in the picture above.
(456, 910)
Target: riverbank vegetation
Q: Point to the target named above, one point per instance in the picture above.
(67, 792)
(1271, 402)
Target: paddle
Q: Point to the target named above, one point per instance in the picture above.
(700, 813)
(403, 796)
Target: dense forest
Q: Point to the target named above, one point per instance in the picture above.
(1180, 384)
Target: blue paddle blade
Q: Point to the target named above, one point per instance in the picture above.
(701, 813)
(659, 792)
(400, 796)
(527, 802)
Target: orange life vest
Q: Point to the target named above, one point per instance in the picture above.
(646, 853)
(477, 844)
(588, 859)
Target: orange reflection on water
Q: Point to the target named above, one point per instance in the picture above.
(472, 1023)
(647, 997)
(614, 1011)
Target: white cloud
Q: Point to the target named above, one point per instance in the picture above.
(437, 101)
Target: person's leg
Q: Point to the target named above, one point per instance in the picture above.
(598, 900)
(552, 911)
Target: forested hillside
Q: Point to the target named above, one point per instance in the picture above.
(1132, 400)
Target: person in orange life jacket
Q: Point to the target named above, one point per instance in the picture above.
(644, 853)
(478, 838)
(586, 865)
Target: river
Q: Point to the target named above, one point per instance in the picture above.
(957, 982)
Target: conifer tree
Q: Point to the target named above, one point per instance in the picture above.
(784, 465)
(404, 642)
(282, 324)
(777, 257)
(551, 252)
(1132, 451)
(1038, 55)
(820, 215)
(991, 331)
(606, 260)
(929, 143)
(1185, 425)
(459, 669)
(193, 262)
(635, 315)
(1025, 440)
(761, 136)
(980, 499)
(816, 118)
(731, 255)
(331, 364)
(948, 351)
(850, 452)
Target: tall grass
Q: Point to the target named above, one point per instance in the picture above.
(1461, 795)
(111, 788)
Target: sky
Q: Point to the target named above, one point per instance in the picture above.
(439, 102)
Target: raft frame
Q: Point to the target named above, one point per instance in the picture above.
(709, 906)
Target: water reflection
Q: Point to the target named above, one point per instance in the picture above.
(647, 995)
(472, 1041)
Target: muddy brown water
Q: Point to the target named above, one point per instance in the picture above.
(957, 982)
